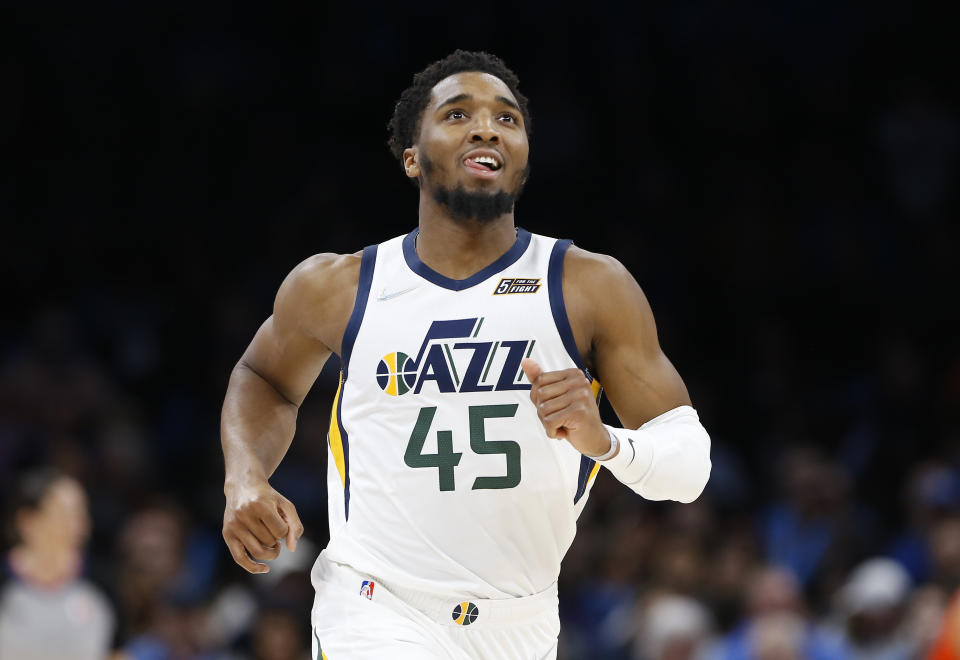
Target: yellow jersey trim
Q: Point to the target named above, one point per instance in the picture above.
(335, 437)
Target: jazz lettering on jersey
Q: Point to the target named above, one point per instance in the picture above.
(453, 359)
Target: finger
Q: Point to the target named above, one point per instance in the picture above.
(258, 529)
(554, 429)
(545, 378)
(257, 549)
(548, 392)
(275, 524)
(240, 556)
(550, 426)
(558, 404)
(294, 526)
(531, 369)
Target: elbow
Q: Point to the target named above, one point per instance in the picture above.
(683, 481)
(681, 472)
(697, 476)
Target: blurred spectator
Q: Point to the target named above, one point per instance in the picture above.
(873, 607)
(277, 635)
(817, 529)
(174, 610)
(932, 493)
(777, 625)
(945, 553)
(673, 627)
(163, 596)
(48, 611)
(924, 618)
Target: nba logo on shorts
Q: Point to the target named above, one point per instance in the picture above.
(366, 589)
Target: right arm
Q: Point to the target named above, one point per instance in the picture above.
(263, 397)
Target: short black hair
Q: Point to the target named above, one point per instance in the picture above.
(405, 122)
(28, 492)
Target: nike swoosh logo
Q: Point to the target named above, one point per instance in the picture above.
(630, 440)
(393, 294)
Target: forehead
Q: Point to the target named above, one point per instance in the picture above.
(65, 490)
(474, 83)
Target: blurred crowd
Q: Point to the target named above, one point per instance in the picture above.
(779, 177)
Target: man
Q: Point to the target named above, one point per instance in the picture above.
(465, 433)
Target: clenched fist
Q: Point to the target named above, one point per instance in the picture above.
(567, 408)
(256, 520)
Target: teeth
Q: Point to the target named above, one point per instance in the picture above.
(486, 160)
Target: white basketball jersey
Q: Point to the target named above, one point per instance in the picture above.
(441, 477)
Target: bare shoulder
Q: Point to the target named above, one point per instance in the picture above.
(318, 295)
(598, 282)
(593, 267)
(602, 299)
(314, 275)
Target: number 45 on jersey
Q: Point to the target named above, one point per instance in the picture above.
(445, 460)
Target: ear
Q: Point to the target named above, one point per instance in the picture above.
(410, 163)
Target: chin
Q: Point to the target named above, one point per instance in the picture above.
(491, 185)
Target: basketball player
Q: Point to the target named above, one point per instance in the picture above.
(465, 434)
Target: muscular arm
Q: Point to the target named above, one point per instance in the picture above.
(623, 346)
(665, 452)
(266, 388)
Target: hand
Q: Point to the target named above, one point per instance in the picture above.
(256, 520)
(567, 407)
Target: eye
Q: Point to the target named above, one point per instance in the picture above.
(509, 118)
(456, 114)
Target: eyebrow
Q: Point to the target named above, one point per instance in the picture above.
(455, 99)
(467, 97)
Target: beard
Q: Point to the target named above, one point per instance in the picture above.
(476, 206)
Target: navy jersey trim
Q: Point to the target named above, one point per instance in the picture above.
(427, 273)
(557, 306)
(367, 262)
(586, 466)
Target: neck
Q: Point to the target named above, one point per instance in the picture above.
(459, 248)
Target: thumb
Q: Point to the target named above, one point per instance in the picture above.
(531, 369)
(294, 527)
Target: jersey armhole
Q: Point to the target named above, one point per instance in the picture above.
(588, 466)
(367, 262)
(557, 305)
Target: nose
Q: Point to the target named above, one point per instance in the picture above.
(484, 129)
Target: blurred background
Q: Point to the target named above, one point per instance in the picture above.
(780, 177)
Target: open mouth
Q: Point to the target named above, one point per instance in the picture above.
(489, 162)
(485, 164)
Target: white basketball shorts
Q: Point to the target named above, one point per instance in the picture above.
(357, 617)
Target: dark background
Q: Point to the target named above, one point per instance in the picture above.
(779, 177)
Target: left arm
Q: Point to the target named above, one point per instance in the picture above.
(664, 453)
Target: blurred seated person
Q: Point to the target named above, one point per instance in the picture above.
(873, 608)
(47, 609)
(777, 625)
